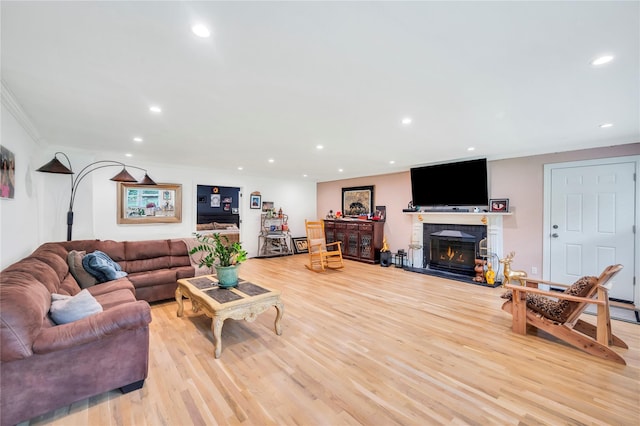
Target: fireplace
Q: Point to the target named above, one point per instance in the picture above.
(452, 251)
(452, 248)
(482, 225)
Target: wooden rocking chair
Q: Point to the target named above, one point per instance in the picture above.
(558, 313)
(322, 255)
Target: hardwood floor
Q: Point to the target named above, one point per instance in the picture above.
(367, 345)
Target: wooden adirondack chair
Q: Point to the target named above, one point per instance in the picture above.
(321, 254)
(558, 313)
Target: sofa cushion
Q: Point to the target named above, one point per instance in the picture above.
(65, 309)
(152, 278)
(100, 265)
(74, 259)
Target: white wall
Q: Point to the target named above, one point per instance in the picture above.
(19, 217)
(39, 211)
(95, 209)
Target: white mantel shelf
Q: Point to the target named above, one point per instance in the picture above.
(462, 213)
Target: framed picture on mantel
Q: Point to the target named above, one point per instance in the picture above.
(499, 205)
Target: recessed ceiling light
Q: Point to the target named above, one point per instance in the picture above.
(128, 154)
(606, 125)
(471, 148)
(406, 120)
(340, 170)
(602, 60)
(271, 160)
(155, 109)
(200, 30)
(240, 167)
(392, 162)
(136, 139)
(319, 147)
(304, 175)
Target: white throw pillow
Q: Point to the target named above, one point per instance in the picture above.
(65, 309)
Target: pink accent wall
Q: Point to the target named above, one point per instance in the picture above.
(519, 179)
(392, 191)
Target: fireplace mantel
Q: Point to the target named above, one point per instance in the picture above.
(492, 220)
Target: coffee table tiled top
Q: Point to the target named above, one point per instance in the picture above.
(245, 301)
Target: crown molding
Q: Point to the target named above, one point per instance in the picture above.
(9, 101)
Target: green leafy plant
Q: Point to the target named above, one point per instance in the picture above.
(218, 251)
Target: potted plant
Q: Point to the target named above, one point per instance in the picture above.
(221, 254)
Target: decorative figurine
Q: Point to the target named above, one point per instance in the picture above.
(330, 215)
(512, 274)
(490, 275)
(479, 268)
(385, 246)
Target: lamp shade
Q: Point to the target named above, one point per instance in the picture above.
(146, 180)
(124, 176)
(55, 166)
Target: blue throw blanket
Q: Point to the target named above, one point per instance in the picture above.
(101, 266)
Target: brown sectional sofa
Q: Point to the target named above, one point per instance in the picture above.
(45, 366)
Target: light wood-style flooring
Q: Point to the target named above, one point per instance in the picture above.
(367, 345)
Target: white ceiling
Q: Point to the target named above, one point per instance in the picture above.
(278, 78)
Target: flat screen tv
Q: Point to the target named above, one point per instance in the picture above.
(463, 183)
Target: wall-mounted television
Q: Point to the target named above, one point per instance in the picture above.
(463, 183)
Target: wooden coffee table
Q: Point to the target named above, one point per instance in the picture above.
(246, 301)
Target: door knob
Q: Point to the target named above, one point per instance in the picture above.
(555, 226)
(554, 235)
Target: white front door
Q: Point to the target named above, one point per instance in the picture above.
(591, 223)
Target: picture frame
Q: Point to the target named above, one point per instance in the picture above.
(380, 213)
(357, 200)
(215, 200)
(499, 205)
(255, 201)
(138, 204)
(7, 190)
(300, 245)
(267, 205)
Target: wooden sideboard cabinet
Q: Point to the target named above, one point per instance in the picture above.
(361, 239)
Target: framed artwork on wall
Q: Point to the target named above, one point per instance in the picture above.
(267, 205)
(215, 200)
(8, 173)
(357, 200)
(254, 201)
(160, 203)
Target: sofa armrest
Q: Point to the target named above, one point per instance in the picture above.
(127, 316)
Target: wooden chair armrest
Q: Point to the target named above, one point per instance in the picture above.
(538, 282)
(518, 288)
(333, 244)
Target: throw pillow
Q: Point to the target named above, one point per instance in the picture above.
(65, 309)
(74, 259)
(317, 245)
(580, 288)
(101, 266)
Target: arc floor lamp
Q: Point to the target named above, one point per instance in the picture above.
(55, 166)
